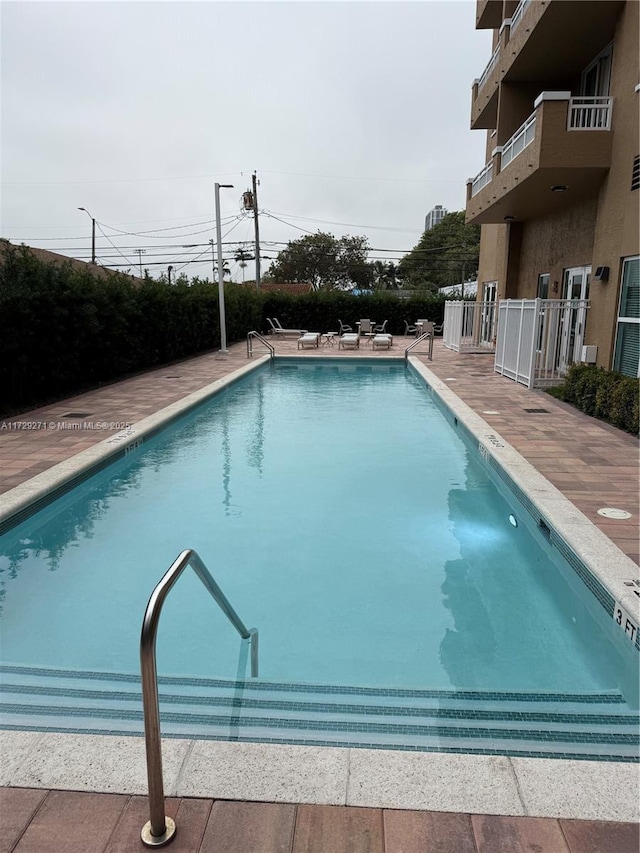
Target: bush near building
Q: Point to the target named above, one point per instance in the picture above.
(609, 396)
(65, 328)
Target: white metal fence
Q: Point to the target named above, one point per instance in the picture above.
(591, 113)
(469, 326)
(538, 339)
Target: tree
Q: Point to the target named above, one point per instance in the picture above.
(447, 254)
(242, 257)
(325, 262)
(386, 276)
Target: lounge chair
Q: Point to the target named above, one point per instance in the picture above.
(344, 328)
(381, 329)
(350, 340)
(384, 341)
(409, 330)
(279, 332)
(309, 339)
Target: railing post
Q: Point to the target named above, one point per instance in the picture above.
(160, 829)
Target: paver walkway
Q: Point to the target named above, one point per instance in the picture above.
(39, 821)
(592, 464)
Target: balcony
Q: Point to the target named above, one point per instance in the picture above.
(565, 144)
(547, 42)
(488, 14)
(543, 43)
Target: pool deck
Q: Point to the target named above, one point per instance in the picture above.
(355, 800)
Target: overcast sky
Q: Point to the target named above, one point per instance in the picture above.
(354, 115)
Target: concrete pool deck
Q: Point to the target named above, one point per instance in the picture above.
(591, 464)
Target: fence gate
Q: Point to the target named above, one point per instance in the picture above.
(469, 326)
(539, 339)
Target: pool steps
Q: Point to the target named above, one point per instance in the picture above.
(599, 726)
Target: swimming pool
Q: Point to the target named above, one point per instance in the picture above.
(346, 519)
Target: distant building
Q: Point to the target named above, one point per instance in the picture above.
(434, 216)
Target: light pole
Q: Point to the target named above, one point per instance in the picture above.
(223, 325)
(93, 234)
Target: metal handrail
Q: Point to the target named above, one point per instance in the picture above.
(160, 829)
(417, 341)
(251, 336)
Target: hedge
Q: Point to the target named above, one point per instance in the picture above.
(609, 396)
(64, 330)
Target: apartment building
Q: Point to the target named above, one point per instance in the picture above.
(558, 198)
(435, 215)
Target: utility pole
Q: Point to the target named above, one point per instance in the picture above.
(257, 230)
(140, 252)
(93, 234)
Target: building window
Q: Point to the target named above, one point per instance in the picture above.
(635, 174)
(543, 286)
(627, 353)
(489, 291)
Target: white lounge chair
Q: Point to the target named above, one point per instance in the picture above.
(309, 339)
(350, 340)
(279, 332)
(382, 341)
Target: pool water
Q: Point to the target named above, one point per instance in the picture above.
(343, 517)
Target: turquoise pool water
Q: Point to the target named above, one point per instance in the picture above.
(343, 516)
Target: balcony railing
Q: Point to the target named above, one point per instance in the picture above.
(521, 138)
(590, 113)
(480, 181)
(518, 14)
(490, 66)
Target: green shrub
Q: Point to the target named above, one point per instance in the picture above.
(603, 394)
(65, 329)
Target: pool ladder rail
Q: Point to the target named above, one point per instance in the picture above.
(259, 337)
(427, 336)
(160, 829)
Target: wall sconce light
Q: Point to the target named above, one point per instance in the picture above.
(509, 218)
(601, 274)
(559, 188)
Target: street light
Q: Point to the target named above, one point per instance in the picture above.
(93, 234)
(223, 325)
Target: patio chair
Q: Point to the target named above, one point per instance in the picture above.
(380, 329)
(309, 339)
(344, 328)
(350, 340)
(279, 332)
(425, 326)
(365, 328)
(409, 330)
(384, 341)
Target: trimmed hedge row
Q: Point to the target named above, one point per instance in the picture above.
(611, 397)
(63, 329)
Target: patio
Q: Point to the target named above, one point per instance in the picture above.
(592, 464)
